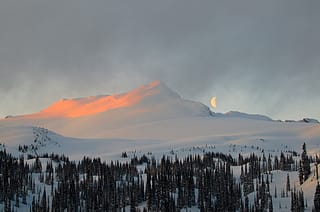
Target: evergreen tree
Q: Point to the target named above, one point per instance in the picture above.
(317, 198)
(305, 169)
(17, 201)
(24, 198)
(301, 201)
(270, 204)
(44, 201)
(246, 204)
(317, 172)
(300, 173)
(288, 184)
(37, 166)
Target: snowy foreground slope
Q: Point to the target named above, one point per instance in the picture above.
(154, 119)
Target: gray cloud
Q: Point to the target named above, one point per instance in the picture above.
(260, 57)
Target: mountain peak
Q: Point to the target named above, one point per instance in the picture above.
(156, 83)
(84, 106)
(158, 89)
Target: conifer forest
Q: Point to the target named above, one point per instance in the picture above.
(197, 182)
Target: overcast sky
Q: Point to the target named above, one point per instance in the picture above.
(255, 56)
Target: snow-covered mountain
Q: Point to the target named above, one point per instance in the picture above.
(95, 116)
(155, 97)
(150, 111)
(154, 119)
(156, 114)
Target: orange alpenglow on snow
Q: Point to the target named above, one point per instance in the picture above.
(71, 108)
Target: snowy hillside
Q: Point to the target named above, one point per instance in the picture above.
(153, 120)
(151, 117)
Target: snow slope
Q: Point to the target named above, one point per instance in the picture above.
(247, 116)
(152, 118)
(94, 116)
(155, 112)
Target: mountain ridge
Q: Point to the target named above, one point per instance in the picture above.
(84, 106)
(159, 124)
(156, 95)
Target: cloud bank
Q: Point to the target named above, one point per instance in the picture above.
(259, 57)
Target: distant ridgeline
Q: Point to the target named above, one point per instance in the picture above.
(306, 120)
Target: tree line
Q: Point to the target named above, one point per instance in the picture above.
(203, 181)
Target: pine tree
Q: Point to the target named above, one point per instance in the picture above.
(44, 201)
(317, 198)
(17, 201)
(7, 205)
(317, 173)
(288, 184)
(37, 167)
(306, 170)
(246, 204)
(293, 201)
(300, 173)
(24, 197)
(270, 204)
(301, 201)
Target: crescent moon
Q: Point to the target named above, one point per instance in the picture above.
(213, 102)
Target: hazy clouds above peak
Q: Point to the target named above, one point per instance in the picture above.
(255, 56)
